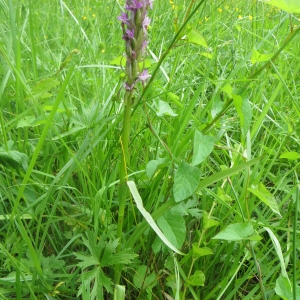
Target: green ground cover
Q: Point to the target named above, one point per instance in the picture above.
(214, 153)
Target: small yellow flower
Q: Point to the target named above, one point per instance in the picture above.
(240, 17)
(93, 15)
(84, 18)
(220, 9)
(103, 51)
(250, 18)
(237, 9)
(171, 2)
(206, 18)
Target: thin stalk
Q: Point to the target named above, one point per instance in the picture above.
(123, 190)
(295, 225)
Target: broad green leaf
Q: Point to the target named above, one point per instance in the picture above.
(13, 158)
(197, 279)
(40, 91)
(173, 96)
(291, 6)
(208, 221)
(173, 226)
(153, 165)
(198, 252)
(203, 146)
(228, 89)
(235, 232)
(258, 57)
(142, 279)
(261, 192)
(243, 108)
(186, 180)
(221, 193)
(284, 289)
(29, 121)
(217, 106)
(196, 37)
(139, 203)
(207, 54)
(290, 155)
(255, 237)
(62, 108)
(163, 108)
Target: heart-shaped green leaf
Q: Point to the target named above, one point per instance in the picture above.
(186, 181)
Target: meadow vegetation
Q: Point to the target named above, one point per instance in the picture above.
(214, 153)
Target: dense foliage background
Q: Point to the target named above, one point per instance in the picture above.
(214, 148)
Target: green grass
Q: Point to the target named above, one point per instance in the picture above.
(60, 153)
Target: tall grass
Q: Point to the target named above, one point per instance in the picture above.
(61, 120)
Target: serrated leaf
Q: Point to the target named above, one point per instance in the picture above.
(196, 37)
(261, 192)
(123, 257)
(291, 6)
(173, 226)
(13, 158)
(86, 260)
(235, 232)
(197, 279)
(290, 155)
(163, 108)
(186, 180)
(191, 207)
(199, 252)
(259, 57)
(243, 108)
(203, 146)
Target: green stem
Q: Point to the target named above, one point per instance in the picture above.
(123, 190)
(295, 258)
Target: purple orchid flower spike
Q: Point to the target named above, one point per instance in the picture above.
(135, 23)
